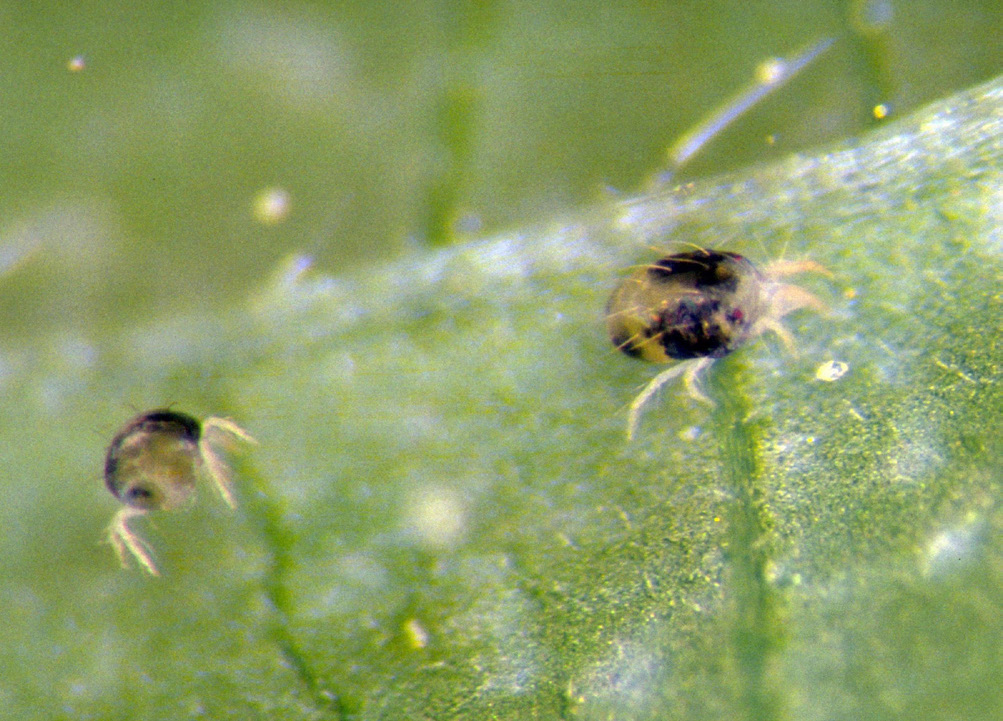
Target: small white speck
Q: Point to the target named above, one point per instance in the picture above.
(771, 71)
(690, 433)
(438, 516)
(417, 636)
(831, 371)
(951, 547)
(271, 206)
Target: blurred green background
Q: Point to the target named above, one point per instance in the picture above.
(129, 184)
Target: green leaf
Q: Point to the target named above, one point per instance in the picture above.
(444, 519)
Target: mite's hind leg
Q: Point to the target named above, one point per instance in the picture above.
(123, 540)
(688, 370)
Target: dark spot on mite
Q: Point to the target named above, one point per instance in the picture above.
(703, 269)
(165, 421)
(139, 492)
(626, 343)
(692, 329)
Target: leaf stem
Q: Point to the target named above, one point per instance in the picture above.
(756, 628)
(278, 539)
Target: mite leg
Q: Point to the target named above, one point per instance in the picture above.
(220, 432)
(123, 540)
(688, 370)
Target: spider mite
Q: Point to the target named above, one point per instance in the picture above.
(153, 464)
(697, 306)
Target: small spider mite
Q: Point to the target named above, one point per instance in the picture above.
(152, 465)
(698, 306)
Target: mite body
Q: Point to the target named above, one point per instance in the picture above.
(153, 464)
(689, 305)
(697, 306)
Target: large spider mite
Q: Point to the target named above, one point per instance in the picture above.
(153, 463)
(697, 306)
(700, 305)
